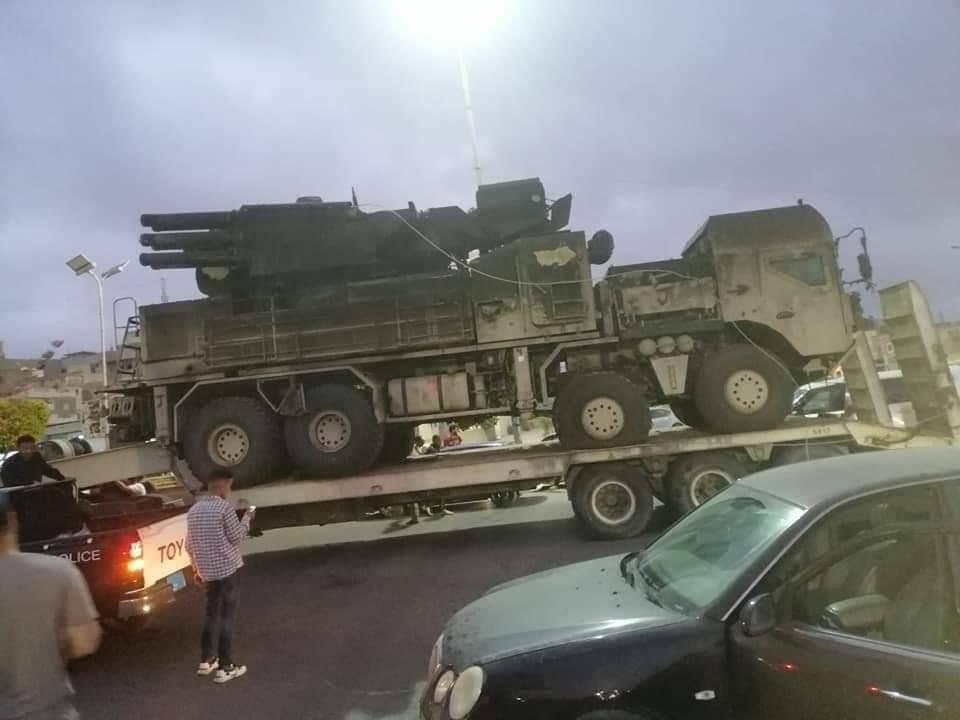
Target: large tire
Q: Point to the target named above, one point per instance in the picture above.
(612, 500)
(743, 389)
(687, 413)
(600, 410)
(505, 498)
(238, 433)
(695, 478)
(398, 441)
(338, 436)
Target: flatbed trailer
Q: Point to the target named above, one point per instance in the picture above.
(612, 490)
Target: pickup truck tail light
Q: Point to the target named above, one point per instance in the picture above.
(135, 552)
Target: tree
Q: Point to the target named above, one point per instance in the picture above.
(21, 417)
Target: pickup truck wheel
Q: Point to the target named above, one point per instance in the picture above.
(694, 479)
(600, 410)
(339, 435)
(238, 433)
(398, 443)
(612, 500)
(743, 389)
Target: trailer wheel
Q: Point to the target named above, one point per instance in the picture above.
(612, 500)
(398, 441)
(694, 479)
(238, 433)
(340, 434)
(505, 499)
(687, 413)
(599, 410)
(790, 454)
(743, 389)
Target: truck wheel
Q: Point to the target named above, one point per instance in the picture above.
(694, 479)
(339, 436)
(612, 500)
(599, 410)
(397, 443)
(505, 499)
(742, 389)
(790, 454)
(238, 433)
(687, 413)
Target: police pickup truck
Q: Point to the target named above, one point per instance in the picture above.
(129, 546)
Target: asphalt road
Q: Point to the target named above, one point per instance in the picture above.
(334, 622)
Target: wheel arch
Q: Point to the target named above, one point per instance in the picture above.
(770, 340)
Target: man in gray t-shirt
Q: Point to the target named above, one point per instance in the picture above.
(47, 617)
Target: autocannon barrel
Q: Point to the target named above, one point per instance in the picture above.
(179, 260)
(197, 240)
(217, 220)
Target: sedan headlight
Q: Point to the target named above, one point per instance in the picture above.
(466, 692)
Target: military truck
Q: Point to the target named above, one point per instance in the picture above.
(328, 332)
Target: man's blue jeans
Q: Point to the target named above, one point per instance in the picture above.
(217, 638)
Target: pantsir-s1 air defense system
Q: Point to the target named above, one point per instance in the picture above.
(329, 332)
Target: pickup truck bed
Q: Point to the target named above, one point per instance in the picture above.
(129, 550)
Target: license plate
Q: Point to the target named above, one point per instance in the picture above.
(177, 581)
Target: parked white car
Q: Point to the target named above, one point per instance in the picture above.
(662, 418)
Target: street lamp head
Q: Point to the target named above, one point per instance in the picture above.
(81, 264)
(115, 270)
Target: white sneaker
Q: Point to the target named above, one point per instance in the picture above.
(205, 668)
(226, 674)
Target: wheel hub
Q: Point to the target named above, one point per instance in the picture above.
(602, 418)
(707, 484)
(228, 445)
(613, 502)
(746, 391)
(330, 431)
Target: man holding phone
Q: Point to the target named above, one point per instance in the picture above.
(214, 534)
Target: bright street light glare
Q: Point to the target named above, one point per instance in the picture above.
(450, 23)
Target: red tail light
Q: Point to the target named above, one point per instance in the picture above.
(135, 552)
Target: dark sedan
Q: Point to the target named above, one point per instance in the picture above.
(826, 589)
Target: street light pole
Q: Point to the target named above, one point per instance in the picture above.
(82, 265)
(103, 343)
(468, 107)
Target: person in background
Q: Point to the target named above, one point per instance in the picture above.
(27, 466)
(453, 439)
(435, 446)
(47, 618)
(214, 534)
(419, 445)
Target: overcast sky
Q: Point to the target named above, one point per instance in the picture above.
(654, 114)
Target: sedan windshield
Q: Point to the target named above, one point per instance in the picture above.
(698, 559)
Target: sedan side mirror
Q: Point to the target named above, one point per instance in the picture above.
(758, 615)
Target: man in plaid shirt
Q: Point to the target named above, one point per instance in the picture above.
(213, 542)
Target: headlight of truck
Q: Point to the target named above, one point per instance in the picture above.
(466, 692)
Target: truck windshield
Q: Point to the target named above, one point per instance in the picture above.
(698, 559)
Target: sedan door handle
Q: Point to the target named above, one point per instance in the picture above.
(909, 699)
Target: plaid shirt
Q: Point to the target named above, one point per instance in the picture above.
(213, 537)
